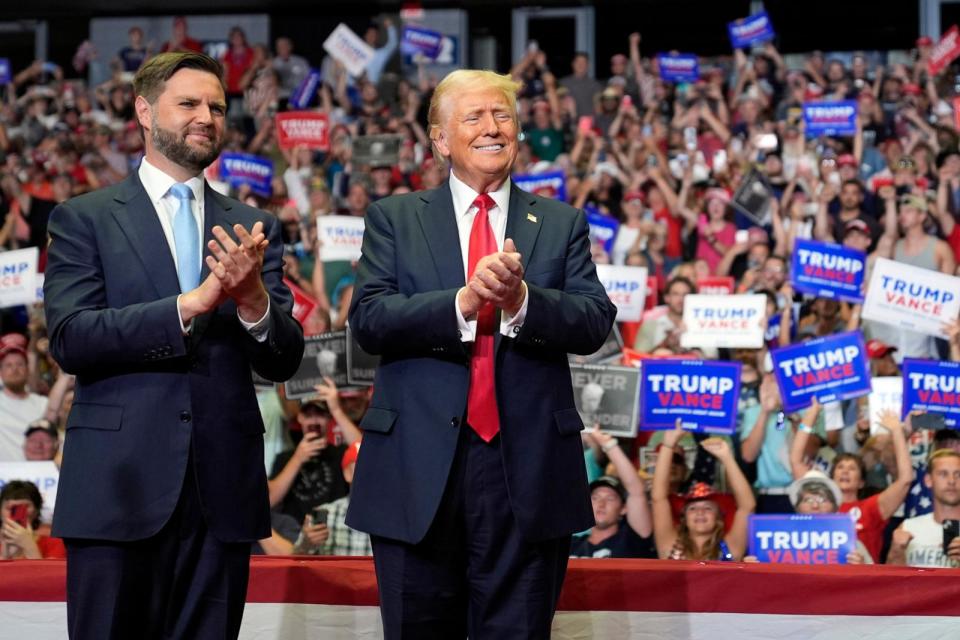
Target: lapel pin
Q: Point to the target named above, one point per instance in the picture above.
(531, 217)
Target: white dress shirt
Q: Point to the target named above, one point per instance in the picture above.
(463, 207)
(157, 185)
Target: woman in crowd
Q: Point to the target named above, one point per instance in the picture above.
(20, 505)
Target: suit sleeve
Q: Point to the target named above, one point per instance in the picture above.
(576, 319)
(384, 320)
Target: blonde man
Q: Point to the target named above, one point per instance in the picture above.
(471, 479)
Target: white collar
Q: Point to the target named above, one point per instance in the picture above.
(157, 183)
(463, 195)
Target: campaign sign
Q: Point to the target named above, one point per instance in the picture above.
(5, 75)
(244, 168)
(349, 49)
(18, 277)
(302, 128)
(932, 385)
(547, 185)
(752, 197)
(723, 321)
(305, 91)
(361, 366)
(702, 393)
(610, 351)
(835, 118)
(340, 236)
(419, 40)
(886, 394)
(607, 396)
(324, 355)
(945, 51)
(603, 229)
(747, 31)
(830, 369)
(823, 538)
(680, 67)
(716, 286)
(911, 298)
(44, 474)
(626, 287)
(303, 304)
(828, 270)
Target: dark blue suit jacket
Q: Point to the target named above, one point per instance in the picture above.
(403, 309)
(145, 393)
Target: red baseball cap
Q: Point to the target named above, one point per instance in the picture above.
(912, 89)
(847, 159)
(924, 41)
(634, 195)
(878, 349)
(13, 343)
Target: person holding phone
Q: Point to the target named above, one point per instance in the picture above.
(20, 506)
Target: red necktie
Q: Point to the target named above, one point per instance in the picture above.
(482, 398)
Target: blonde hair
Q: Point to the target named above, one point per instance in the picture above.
(940, 453)
(461, 81)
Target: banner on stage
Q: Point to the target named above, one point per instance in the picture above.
(703, 394)
(608, 396)
(303, 128)
(18, 277)
(828, 270)
(243, 168)
(546, 185)
(678, 67)
(626, 287)
(912, 298)
(340, 236)
(755, 29)
(723, 321)
(933, 386)
(834, 118)
(349, 49)
(823, 538)
(830, 369)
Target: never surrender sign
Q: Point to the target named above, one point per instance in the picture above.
(932, 385)
(723, 321)
(824, 538)
(703, 394)
(303, 128)
(837, 118)
(608, 396)
(680, 67)
(626, 287)
(828, 270)
(912, 298)
(829, 369)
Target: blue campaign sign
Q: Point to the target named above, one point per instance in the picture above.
(828, 270)
(678, 67)
(549, 185)
(5, 75)
(303, 94)
(244, 168)
(746, 31)
(932, 385)
(419, 40)
(602, 228)
(702, 393)
(823, 538)
(838, 118)
(829, 369)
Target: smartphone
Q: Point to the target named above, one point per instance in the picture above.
(19, 513)
(720, 160)
(742, 236)
(319, 515)
(585, 124)
(626, 101)
(928, 420)
(951, 529)
(690, 138)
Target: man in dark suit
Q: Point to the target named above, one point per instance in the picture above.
(163, 488)
(471, 475)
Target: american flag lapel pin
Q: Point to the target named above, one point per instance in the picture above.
(531, 217)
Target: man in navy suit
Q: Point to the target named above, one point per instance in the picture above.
(162, 487)
(471, 475)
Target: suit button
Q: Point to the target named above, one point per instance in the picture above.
(454, 422)
(516, 330)
(185, 416)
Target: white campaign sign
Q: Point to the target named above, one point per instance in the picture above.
(912, 298)
(627, 288)
(349, 49)
(18, 277)
(340, 237)
(723, 321)
(886, 393)
(44, 474)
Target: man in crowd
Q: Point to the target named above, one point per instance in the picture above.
(40, 441)
(18, 405)
(581, 85)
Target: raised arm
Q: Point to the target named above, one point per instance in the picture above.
(638, 510)
(736, 537)
(893, 496)
(664, 532)
(798, 466)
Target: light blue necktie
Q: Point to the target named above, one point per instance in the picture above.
(186, 239)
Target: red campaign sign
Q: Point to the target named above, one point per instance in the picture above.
(303, 305)
(946, 50)
(715, 285)
(303, 128)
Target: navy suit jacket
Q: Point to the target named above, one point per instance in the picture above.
(145, 393)
(403, 309)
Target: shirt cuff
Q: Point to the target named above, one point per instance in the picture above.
(259, 329)
(184, 328)
(466, 328)
(510, 325)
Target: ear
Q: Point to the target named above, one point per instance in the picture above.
(144, 112)
(440, 140)
(927, 481)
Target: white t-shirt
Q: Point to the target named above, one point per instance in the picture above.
(15, 415)
(926, 546)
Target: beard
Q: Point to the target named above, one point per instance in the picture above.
(174, 147)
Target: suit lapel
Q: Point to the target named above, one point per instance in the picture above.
(215, 212)
(523, 225)
(439, 224)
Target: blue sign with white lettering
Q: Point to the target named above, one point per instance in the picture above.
(419, 40)
(678, 67)
(822, 538)
(244, 168)
(603, 229)
(303, 94)
(828, 270)
(747, 31)
(702, 393)
(838, 118)
(932, 385)
(548, 185)
(5, 75)
(829, 369)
